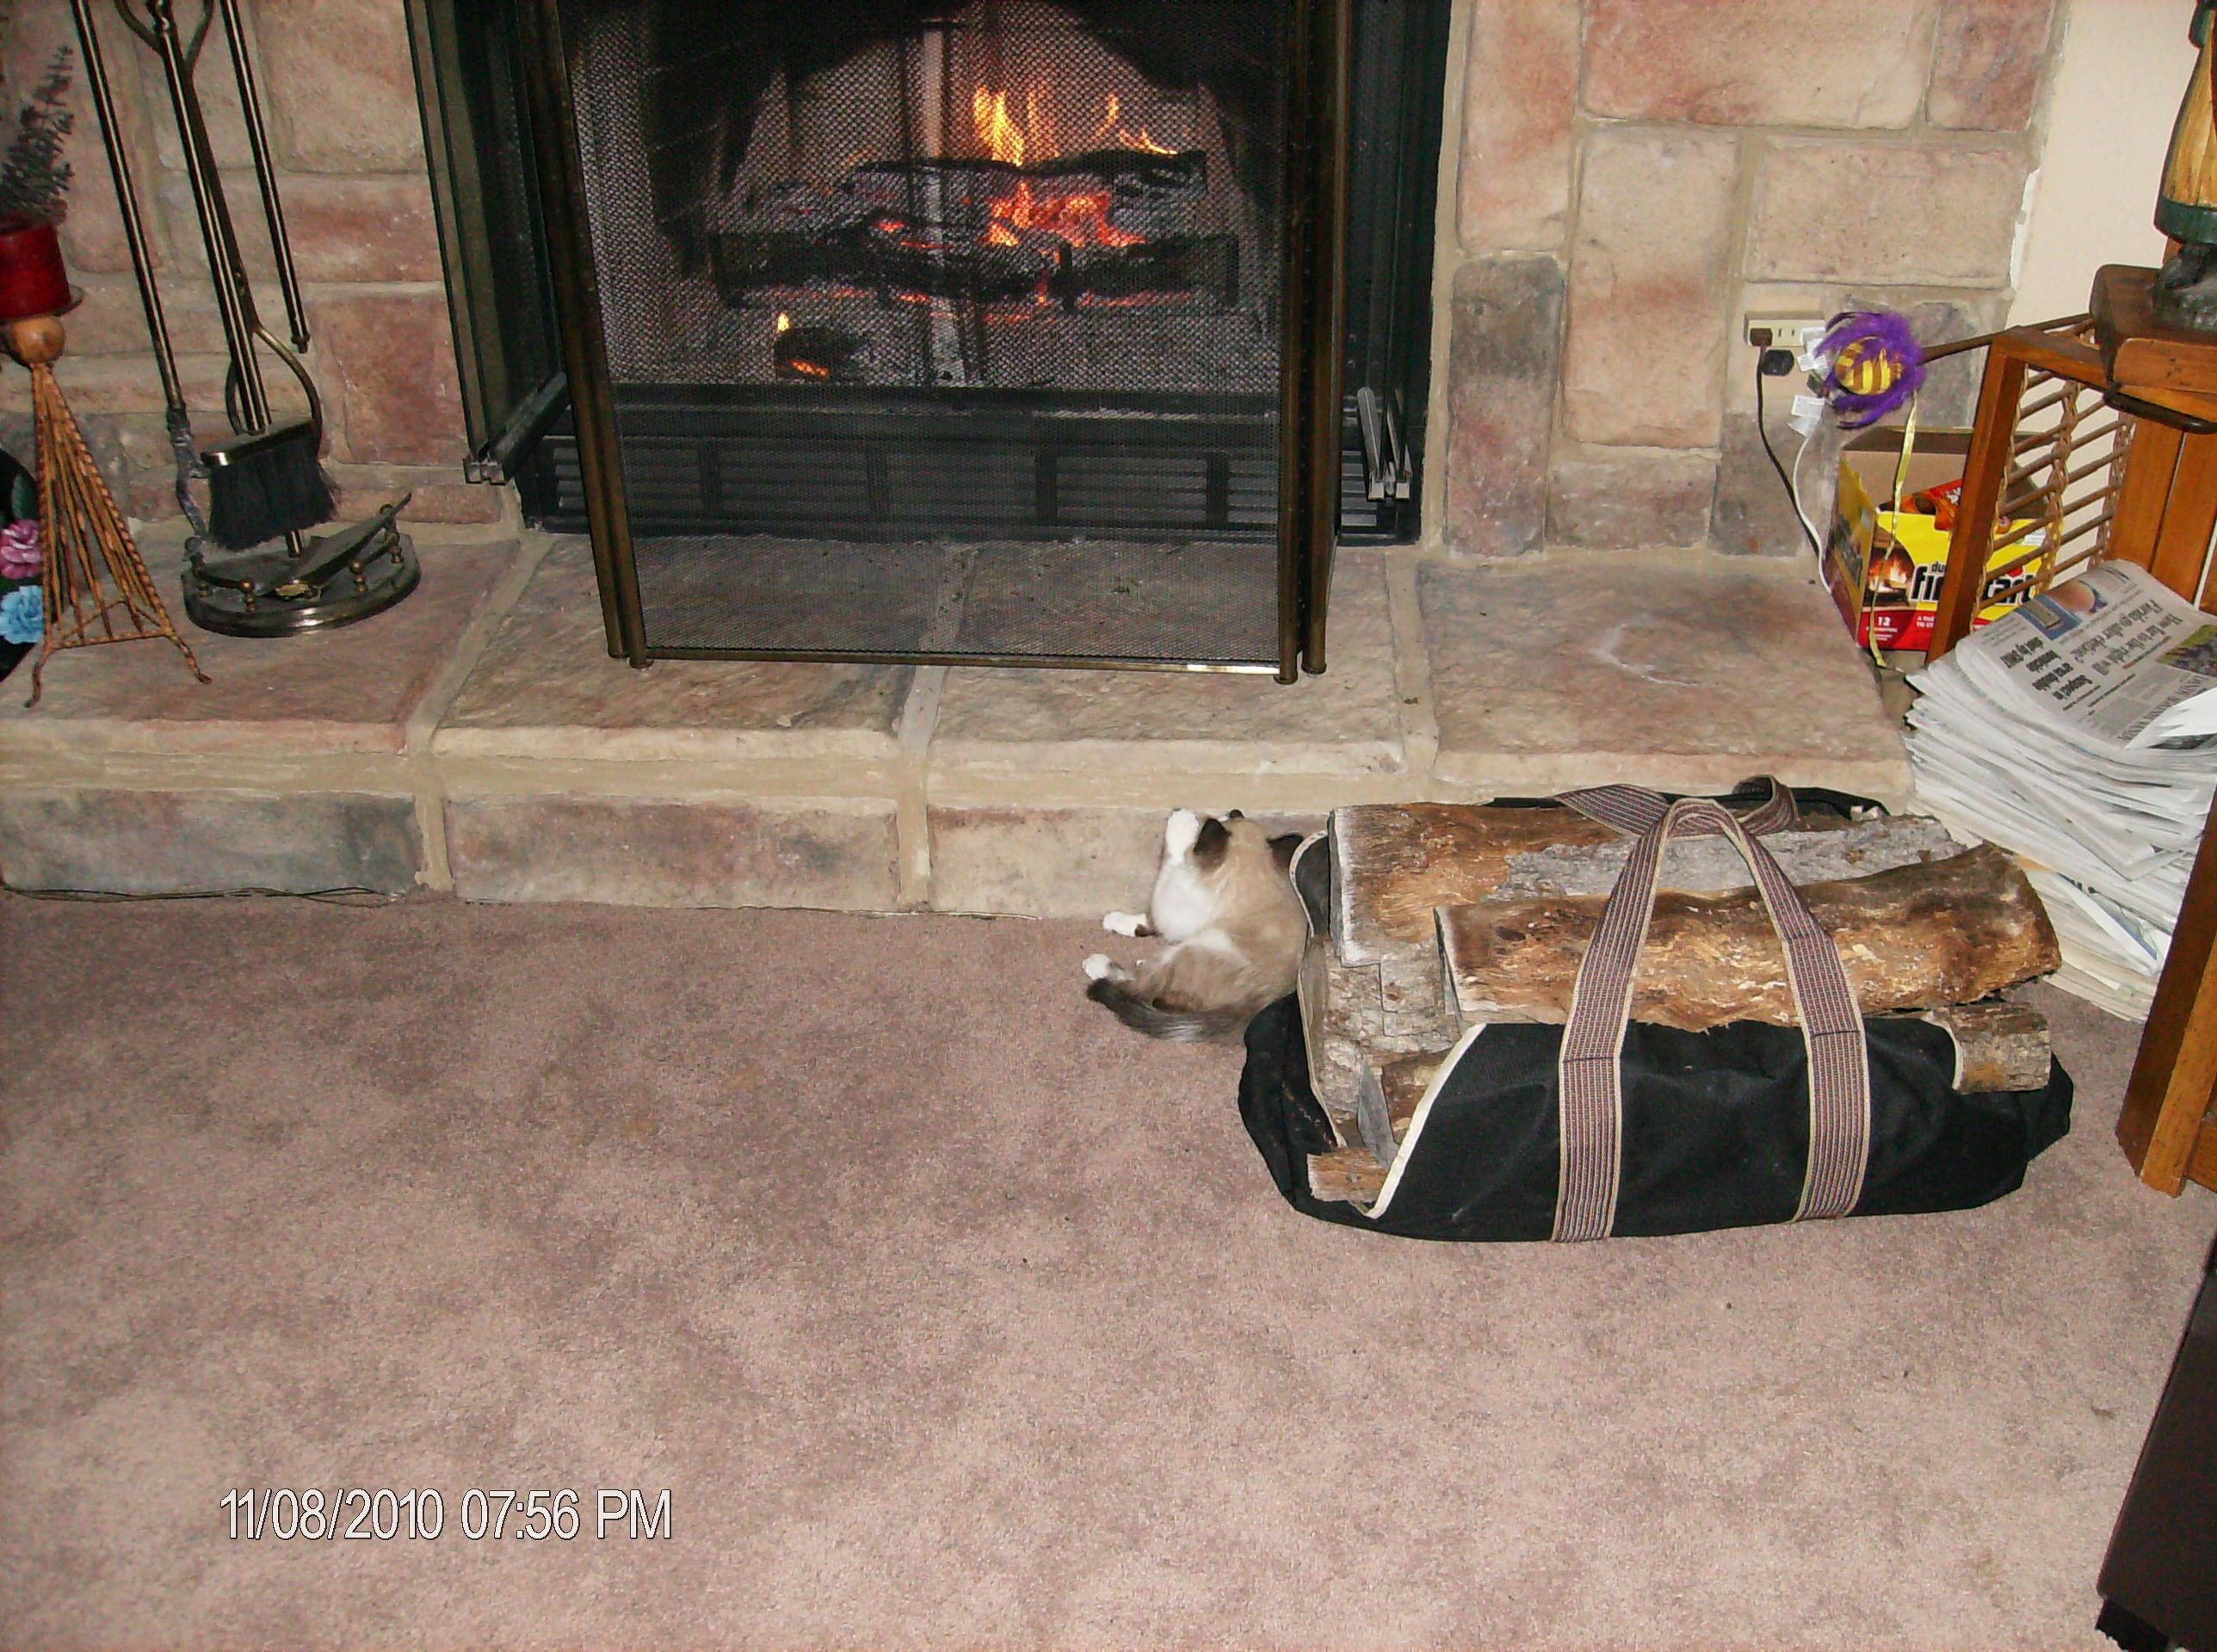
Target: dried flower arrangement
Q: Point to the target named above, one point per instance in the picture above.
(35, 177)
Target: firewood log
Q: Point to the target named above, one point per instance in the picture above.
(1346, 1173)
(1918, 937)
(1376, 991)
(1999, 1045)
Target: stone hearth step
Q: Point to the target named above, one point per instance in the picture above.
(480, 739)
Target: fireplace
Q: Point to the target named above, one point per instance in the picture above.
(1012, 331)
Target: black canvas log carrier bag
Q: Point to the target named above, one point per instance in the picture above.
(1606, 1127)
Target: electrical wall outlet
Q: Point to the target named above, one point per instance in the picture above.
(1799, 334)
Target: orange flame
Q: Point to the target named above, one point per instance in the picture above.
(1115, 134)
(997, 135)
(1079, 216)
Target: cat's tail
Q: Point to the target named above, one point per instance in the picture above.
(1143, 1014)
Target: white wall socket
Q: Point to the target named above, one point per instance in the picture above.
(1795, 333)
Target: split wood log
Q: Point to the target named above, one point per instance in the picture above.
(1376, 993)
(1999, 1045)
(1349, 1015)
(1712, 866)
(1346, 1173)
(1394, 864)
(1938, 932)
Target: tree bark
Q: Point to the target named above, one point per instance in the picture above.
(1919, 937)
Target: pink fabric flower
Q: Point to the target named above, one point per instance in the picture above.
(21, 556)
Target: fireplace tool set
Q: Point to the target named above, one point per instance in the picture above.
(250, 568)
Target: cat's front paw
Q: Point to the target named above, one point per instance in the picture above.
(1183, 832)
(1100, 967)
(1125, 923)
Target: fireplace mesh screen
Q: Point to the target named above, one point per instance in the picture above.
(943, 329)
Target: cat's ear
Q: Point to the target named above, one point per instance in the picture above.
(1235, 815)
(1282, 848)
(1208, 848)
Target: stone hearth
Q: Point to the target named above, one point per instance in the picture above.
(480, 739)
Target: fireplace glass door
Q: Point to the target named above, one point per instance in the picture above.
(919, 329)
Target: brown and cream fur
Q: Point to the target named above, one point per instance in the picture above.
(1223, 901)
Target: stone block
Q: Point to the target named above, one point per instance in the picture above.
(363, 228)
(394, 353)
(340, 85)
(1520, 114)
(1830, 210)
(1043, 863)
(342, 229)
(160, 842)
(1346, 721)
(347, 691)
(1682, 673)
(112, 320)
(435, 495)
(1987, 56)
(1630, 498)
(1503, 360)
(1017, 861)
(835, 853)
(132, 451)
(545, 686)
(1752, 515)
(128, 383)
(1753, 62)
(1649, 288)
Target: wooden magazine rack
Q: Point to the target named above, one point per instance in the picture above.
(2101, 430)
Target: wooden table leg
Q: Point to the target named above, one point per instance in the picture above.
(2166, 1119)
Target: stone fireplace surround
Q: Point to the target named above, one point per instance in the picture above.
(1622, 179)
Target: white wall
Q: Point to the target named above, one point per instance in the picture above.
(2124, 68)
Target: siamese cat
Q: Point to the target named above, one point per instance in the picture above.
(1224, 902)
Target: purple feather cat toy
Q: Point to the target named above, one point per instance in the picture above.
(1874, 365)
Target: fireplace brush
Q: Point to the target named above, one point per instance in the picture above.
(267, 482)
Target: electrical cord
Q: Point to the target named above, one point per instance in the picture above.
(1763, 431)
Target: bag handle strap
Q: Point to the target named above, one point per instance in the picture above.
(1590, 1088)
(1632, 810)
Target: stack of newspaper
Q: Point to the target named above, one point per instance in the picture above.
(2080, 731)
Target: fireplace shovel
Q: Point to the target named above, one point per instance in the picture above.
(266, 483)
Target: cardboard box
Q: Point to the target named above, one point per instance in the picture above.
(1894, 608)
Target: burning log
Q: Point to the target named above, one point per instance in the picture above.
(1111, 225)
(825, 354)
(1105, 194)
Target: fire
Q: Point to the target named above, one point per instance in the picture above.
(1114, 134)
(1000, 137)
(1078, 216)
(784, 322)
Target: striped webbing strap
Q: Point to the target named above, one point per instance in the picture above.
(1632, 810)
(1590, 1101)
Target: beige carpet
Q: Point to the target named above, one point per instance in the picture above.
(950, 1314)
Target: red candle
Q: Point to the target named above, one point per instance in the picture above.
(33, 281)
